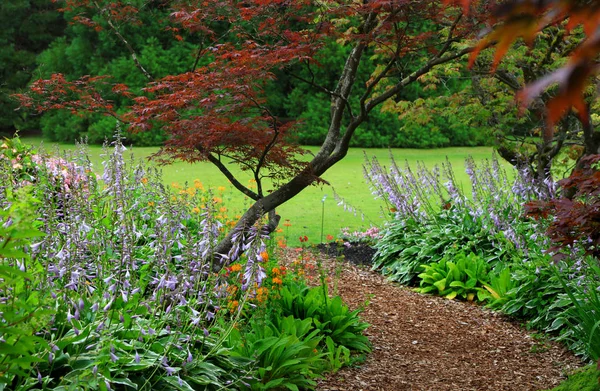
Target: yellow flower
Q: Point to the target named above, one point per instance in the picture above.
(150, 203)
(217, 200)
(196, 210)
(175, 185)
(221, 188)
(198, 185)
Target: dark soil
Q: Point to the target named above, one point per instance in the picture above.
(356, 253)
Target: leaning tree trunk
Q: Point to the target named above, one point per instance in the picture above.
(334, 148)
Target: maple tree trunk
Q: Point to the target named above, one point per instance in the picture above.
(333, 149)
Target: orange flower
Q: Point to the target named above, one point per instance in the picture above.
(196, 210)
(223, 209)
(144, 180)
(150, 203)
(221, 188)
(329, 237)
(287, 223)
(235, 268)
(262, 294)
(233, 305)
(393, 210)
(277, 280)
(265, 256)
(275, 271)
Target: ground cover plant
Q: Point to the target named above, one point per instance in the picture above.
(107, 283)
(482, 246)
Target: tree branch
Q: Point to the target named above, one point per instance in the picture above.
(232, 179)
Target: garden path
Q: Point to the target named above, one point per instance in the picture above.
(433, 344)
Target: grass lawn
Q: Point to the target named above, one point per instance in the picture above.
(304, 212)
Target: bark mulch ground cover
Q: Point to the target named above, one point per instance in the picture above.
(434, 344)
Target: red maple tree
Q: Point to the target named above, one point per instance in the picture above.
(219, 112)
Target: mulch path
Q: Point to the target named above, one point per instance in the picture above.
(433, 344)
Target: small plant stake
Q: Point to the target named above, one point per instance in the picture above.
(323, 216)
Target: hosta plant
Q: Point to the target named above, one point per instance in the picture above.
(329, 315)
(284, 354)
(500, 283)
(463, 277)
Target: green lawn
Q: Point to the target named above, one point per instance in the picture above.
(304, 211)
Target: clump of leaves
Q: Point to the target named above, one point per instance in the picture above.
(284, 353)
(462, 277)
(498, 288)
(330, 315)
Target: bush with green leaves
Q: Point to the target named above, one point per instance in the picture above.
(122, 270)
(464, 276)
(582, 317)
(283, 353)
(497, 289)
(23, 309)
(330, 316)
(407, 245)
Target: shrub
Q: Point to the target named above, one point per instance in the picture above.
(284, 353)
(462, 277)
(107, 283)
(329, 315)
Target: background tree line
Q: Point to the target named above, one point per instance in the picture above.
(450, 106)
(440, 111)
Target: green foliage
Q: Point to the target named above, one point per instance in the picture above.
(330, 315)
(584, 322)
(23, 311)
(496, 290)
(284, 353)
(102, 299)
(538, 295)
(336, 357)
(586, 379)
(407, 245)
(28, 27)
(462, 277)
(84, 51)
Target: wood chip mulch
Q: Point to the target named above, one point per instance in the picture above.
(433, 344)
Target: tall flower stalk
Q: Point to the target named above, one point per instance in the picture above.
(127, 263)
(496, 198)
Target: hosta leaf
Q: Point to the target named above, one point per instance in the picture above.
(440, 285)
(451, 295)
(494, 294)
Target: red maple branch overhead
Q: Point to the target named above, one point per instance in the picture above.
(525, 19)
(81, 95)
